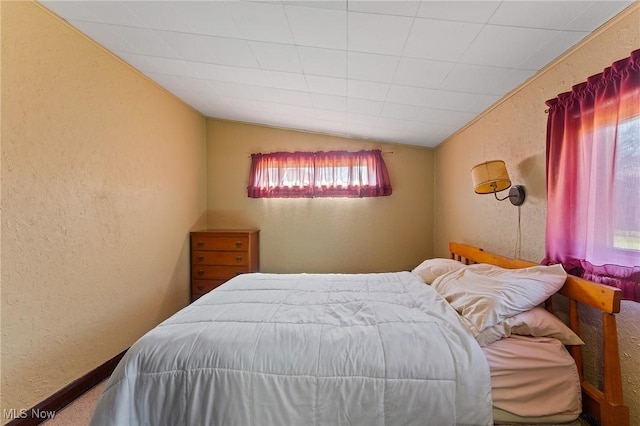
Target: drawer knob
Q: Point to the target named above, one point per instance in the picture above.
(200, 287)
(239, 259)
(200, 258)
(200, 243)
(238, 244)
(200, 272)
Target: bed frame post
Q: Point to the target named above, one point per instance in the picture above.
(614, 411)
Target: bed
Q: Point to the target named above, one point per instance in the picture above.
(349, 349)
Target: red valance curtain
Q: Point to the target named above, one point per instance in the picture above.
(318, 174)
(593, 178)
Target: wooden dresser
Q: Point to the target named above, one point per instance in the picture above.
(219, 255)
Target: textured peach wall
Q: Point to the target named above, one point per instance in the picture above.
(103, 176)
(515, 131)
(322, 235)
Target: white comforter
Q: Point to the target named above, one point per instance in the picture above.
(305, 349)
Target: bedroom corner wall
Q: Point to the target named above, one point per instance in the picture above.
(103, 177)
(322, 234)
(514, 131)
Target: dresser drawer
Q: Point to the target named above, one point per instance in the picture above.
(228, 243)
(216, 272)
(205, 286)
(233, 258)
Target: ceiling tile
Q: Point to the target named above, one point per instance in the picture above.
(597, 13)
(421, 72)
(197, 86)
(267, 78)
(213, 71)
(145, 41)
(475, 79)
(159, 15)
(408, 95)
(316, 27)
(215, 50)
(206, 17)
(367, 90)
(552, 15)
(326, 4)
(395, 7)
(506, 46)
(160, 65)
(293, 110)
(70, 10)
(276, 56)
(230, 89)
(104, 35)
(280, 96)
(332, 115)
(251, 76)
(514, 79)
(327, 85)
(478, 103)
(371, 67)
(364, 106)
(261, 21)
(365, 34)
(462, 11)
(168, 82)
(139, 62)
(445, 117)
(364, 120)
(562, 42)
(327, 62)
(335, 103)
(441, 40)
(406, 112)
(113, 12)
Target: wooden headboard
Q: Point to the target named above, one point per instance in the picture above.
(607, 404)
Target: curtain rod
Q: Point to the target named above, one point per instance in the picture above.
(384, 152)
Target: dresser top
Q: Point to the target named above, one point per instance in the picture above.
(226, 231)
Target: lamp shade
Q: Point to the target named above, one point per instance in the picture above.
(490, 176)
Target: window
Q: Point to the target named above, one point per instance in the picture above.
(627, 184)
(318, 174)
(593, 178)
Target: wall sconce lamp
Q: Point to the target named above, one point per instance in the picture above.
(492, 177)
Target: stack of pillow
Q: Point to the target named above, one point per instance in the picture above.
(495, 302)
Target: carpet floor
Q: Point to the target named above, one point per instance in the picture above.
(79, 412)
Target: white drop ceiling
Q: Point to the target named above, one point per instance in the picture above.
(409, 72)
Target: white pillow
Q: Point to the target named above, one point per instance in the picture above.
(485, 295)
(537, 322)
(430, 269)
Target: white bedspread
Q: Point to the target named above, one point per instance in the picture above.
(305, 349)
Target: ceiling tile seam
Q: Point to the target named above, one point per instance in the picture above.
(247, 40)
(463, 53)
(404, 47)
(347, 63)
(303, 72)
